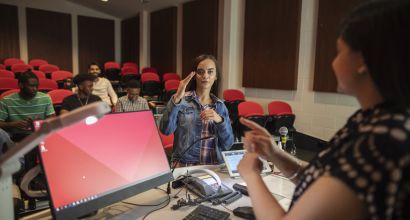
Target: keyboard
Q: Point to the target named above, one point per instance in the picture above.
(205, 212)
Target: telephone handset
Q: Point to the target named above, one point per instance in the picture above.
(203, 186)
(199, 186)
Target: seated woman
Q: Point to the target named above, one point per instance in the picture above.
(199, 119)
(364, 173)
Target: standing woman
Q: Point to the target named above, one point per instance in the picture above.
(102, 86)
(364, 173)
(198, 118)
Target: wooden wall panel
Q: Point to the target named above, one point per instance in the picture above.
(200, 31)
(164, 40)
(271, 44)
(49, 37)
(330, 16)
(130, 40)
(9, 34)
(95, 41)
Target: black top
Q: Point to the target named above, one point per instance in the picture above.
(370, 154)
(72, 102)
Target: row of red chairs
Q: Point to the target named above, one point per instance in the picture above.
(55, 75)
(44, 85)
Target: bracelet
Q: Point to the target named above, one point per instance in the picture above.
(295, 174)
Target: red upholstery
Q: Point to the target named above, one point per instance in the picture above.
(167, 140)
(11, 61)
(233, 94)
(37, 62)
(279, 107)
(8, 83)
(20, 68)
(2, 67)
(46, 85)
(149, 77)
(250, 109)
(129, 69)
(170, 76)
(39, 74)
(149, 70)
(6, 74)
(130, 64)
(171, 85)
(111, 65)
(58, 95)
(48, 68)
(61, 75)
(9, 92)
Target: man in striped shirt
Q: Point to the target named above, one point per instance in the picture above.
(17, 111)
(132, 101)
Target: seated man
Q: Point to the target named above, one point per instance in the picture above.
(17, 111)
(132, 101)
(84, 82)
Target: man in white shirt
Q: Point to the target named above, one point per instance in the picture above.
(132, 101)
(102, 86)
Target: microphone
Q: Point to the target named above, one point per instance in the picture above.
(283, 131)
(181, 155)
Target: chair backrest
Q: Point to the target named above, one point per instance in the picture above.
(131, 64)
(248, 108)
(39, 74)
(61, 75)
(10, 61)
(35, 63)
(8, 83)
(111, 65)
(46, 85)
(167, 140)
(149, 70)
(48, 68)
(2, 67)
(128, 70)
(171, 84)
(6, 74)
(233, 94)
(8, 92)
(149, 77)
(58, 95)
(279, 107)
(20, 68)
(170, 76)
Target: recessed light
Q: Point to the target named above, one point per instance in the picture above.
(104, 0)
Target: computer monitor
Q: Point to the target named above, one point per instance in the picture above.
(90, 166)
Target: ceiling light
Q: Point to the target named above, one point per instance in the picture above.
(104, 0)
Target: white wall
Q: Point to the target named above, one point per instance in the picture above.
(64, 7)
(317, 114)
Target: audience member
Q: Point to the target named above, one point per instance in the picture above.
(102, 86)
(198, 114)
(132, 101)
(364, 173)
(84, 96)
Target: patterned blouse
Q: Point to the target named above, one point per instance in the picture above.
(370, 154)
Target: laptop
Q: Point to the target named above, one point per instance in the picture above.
(232, 159)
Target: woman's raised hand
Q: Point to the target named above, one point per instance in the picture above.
(181, 88)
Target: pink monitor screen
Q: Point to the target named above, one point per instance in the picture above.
(84, 163)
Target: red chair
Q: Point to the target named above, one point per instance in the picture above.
(111, 65)
(170, 76)
(48, 69)
(57, 96)
(60, 75)
(128, 76)
(252, 111)
(6, 74)
(10, 61)
(46, 85)
(167, 140)
(7, 84)
(171, 86)
(151, 84)
(129, 70)
(2, 67)
(8, 92)
(36, 63)
(39, 74)
(20, 68)
(149, 70)
(112, 70)
(233, 94)
(279, 107)
(131, 64)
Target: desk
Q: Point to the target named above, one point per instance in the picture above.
(282, 190)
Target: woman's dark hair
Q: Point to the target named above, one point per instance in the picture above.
(192, 84)
(24, 77)
(79, 78)
(380, 31)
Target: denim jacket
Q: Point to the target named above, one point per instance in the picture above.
(184, 121)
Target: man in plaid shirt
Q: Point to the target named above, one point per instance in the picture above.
(132, 101)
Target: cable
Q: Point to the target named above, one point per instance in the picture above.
(226, 208)
(166, 204)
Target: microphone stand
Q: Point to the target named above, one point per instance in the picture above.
(182, 154)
